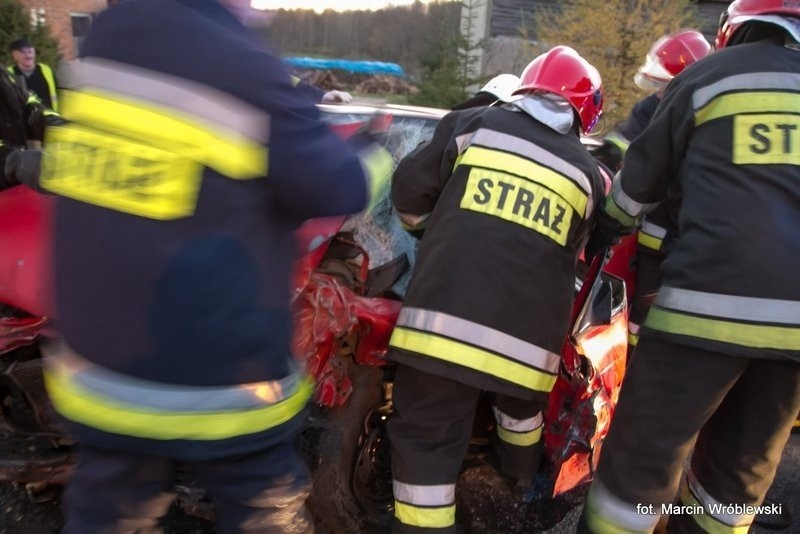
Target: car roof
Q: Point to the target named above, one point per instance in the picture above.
(370, 106)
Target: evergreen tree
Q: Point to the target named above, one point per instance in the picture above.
(451, 69)
(16, 24)
(614, 36)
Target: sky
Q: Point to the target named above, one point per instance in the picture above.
(321, 5)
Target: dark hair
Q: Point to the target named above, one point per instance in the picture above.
(19, 44)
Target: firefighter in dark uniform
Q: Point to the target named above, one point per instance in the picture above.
(507, 195)
(180, 187)
(717, 367)
(668, 56)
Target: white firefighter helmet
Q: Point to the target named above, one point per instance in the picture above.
(502, 86)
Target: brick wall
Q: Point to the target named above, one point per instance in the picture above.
(57, 16)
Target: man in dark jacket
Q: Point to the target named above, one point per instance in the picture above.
(717, 368)
(180, 187)
(507, 195)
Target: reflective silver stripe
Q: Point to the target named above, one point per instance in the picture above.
(730, 306)
(753, 81)
(509, 143)
(733, 520)
(166, 397)
(199, 101)
(439, 495)
(618, 512)
(480, 336)
(633, 328)
(518, 425)
(626, 203)
(654, 230)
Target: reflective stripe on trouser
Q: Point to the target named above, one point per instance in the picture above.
(710, 514)
(518, 436)
(743, 427)
(429, 432)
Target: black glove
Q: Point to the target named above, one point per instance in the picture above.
(23, 167)
(34, 121)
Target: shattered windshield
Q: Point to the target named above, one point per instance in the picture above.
(379, 231)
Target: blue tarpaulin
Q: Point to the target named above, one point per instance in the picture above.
(361, 67)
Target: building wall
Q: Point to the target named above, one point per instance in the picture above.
(57, 15)
(511, 33)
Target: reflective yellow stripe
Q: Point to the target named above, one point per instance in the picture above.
(748, 335)
(600, 525)
(606, 513)
(378, 165)
(649, 241)
(520, 439)
(509, 163)
(51, 84)
(82, 406)
(708, 522)
(425, 517)
(748, 102)
(223, 150)
(633, 339)
(619, 141)
(615, 212)
(471, 357)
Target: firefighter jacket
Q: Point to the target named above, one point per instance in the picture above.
(188, 161)
(507, 203)
(659, 228)
(725, 133)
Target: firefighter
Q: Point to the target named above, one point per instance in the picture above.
(668, 56)
(507, 195)
(179, 188)
(717, 367)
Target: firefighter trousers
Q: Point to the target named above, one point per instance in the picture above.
(430, 430)
(736, 412)
(113, 492)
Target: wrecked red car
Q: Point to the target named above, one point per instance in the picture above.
(349, 283)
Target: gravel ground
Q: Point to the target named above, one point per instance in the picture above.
(486, 502)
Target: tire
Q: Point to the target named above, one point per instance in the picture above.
(336, 446)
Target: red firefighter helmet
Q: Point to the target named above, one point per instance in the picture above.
(670, 55)
(771, 11)
(564, 72)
